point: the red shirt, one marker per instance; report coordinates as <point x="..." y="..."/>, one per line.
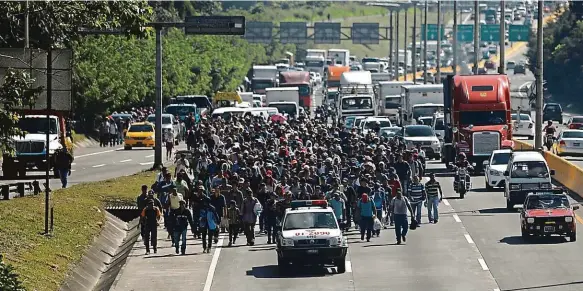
<point x="394" y="186"/>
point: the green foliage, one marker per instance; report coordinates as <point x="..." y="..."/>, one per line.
<point x="16" y="92"/>
<point x="9" y="280"/>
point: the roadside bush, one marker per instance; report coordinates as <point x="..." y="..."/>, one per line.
<point x="9" y="280"/>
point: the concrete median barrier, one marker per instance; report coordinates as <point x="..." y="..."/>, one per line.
<point x="566" y="173"/>
<point x="521" y="145"/>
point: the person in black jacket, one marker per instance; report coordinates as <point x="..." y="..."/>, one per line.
<point x="63" y="161"/>
<point x="182" y="218"/>
<point x="150" y="216"/>
<point x="271" y="218"/>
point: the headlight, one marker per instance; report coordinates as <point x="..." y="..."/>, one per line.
<point x="569" y="219"/>
<point x="344" y="241"/>
<point x="436" y="142"/>
<point x="494" y="173"/>
<point x="334" y="241"/>
<point x="545" y="186"/>
<point x="287" y="242"/>
<point x="530" y="220"/>
<point x="514" y="186"/>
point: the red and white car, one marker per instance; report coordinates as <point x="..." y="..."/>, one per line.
<point x="575" y="122"/>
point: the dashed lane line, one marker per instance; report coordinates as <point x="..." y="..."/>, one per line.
<point x="125" y="161"/>
<point x="146" y="163"/>
<point x="98" y="166"/>
<point x="469" y="238"/>
<point x="98" y="153"/>
<point x="456" y="218"/>
<point x="150" y="156"/>
<point x="483" y="264"/>
<point x="446" y="202"/>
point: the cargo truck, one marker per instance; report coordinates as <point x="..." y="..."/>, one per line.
<point x="389" y="97"/>
<point x="419" y="101"/>
<point x="285" y="99"/>
<point x="301" y="80"/>
<point x="263" y="77"/>
<point x="341" y="57"/>
<point x="477" y="112"/>
<point x="356" y="94"/>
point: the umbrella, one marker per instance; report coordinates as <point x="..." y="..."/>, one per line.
<point x="278" y="118"/>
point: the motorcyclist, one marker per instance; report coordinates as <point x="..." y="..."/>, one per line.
<point x="462" y="162"/>
<point x="549" y="128"/>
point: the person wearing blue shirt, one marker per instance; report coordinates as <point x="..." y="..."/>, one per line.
<point x="339" y="207"/>
<point x="208" y="223"/>
<point x="367" y="210"/>
<point x="379" y="199"/>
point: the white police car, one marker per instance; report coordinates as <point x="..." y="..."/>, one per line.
<point x="310" y="235"/>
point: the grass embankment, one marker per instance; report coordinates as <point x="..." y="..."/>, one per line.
<point x="78" y="137"/>
<point x="43" y="262"/>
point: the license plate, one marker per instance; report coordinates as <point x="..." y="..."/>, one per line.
<point x="312" y="251"/>
<point x="577" y="144"/>
<point x="139" y="144"/>
<point x="520" y="126"/>
<point x="549" y="228"/>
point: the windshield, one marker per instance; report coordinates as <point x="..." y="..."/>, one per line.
<point x="333" y="84"/>
<point x="289" y="109"/>
<point x="372" y="124"/>
<point x="141" y="128"/>
<point x="392" y="102"/>
<point x="552" y="108"/>
<point x="439" y="124"/>
<point x="501" y="158"/>
<point x="37" y="125"/>
<point x="531" y="169"/>
<point x="547" y="202"/>
<point x="262" y="84"/>
<point x="479" y="118"/>
<point x="165" y="119"/>
<point x="356" y="103"/>
<point x="419" y="111"/>
<point x="415" y="131"/>
<point x="426" y="121"/>
<point x="310" y="220"/>
<point x="577" y="120"/>
<point x="522" y="117"/>
<point x="573" y="134"/>
<point x="316" y="64"/>
<point x="357" y="121"/>
<point x="370" y="60"/>
<point x="180" y="110"/>
<point x="227" y="115"/>
<point x="388" y="132"/>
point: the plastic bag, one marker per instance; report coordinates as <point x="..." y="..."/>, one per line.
<point x="377" y="224"/>
<point x="257" y="208"/>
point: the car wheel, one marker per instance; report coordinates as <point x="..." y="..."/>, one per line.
<point x="573" y="237"/>
<point x="127" y="148"/>
<point x="341" y="265"/>
<point x="488" y="187"/>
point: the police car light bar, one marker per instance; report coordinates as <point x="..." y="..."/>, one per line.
<point x="309" y="203"/>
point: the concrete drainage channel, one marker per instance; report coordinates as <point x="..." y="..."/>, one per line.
<point x="103" y="261"/>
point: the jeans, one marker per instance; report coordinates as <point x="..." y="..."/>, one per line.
<point x="366" y="223"/>
<point x="271" y="228"/>
<point x="207" y="237"/>
<point x="150" y="235"/>
<point x="64" y="175"/>
<point x="417" y="210"/>
<point x="180" y="236"/>
<point x="401" y="226"/>
<point x="432" y="205"/>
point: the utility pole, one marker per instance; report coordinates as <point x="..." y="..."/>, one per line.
<point x="391" y="55"/>
<point x="405" y="42"/>
<point x="158" y="133"/>
<point x="455" y="48"/>
<point x="48" y="137"/>
<point x="438" y="73"/>
<point x="414" y="47"/>
<point x="539" y="78"/>
<point x="397" y="46"/>
<point x="501" y="66"/>
<point x="425" y="44"/>
<point x="476" y="35"/>
<point x="26" y="28"/>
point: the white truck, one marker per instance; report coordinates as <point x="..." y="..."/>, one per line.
<point x="246" y="97"/>
<point x="316" y="53"/>
<point x="373" y="67"/>
<point x="420" y="100"/>
<point x="264" y="77"/>
<point x="380" y="77"/>
<point x="316" y="64"/>
<point x="356" y="94"/>
<point x="389" y="96"/>
<point x="341" y="56"/>
<point x="285" y="99"/>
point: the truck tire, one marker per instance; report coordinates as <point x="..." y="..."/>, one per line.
<point x="573" y="237"/>
<point x="341" y="265"/>
<point x="283" y="265"/>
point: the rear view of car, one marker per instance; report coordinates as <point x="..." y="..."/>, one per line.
<point x="569" y="142"/>
<point x="575" y="122"/>
<point x="553" y="111"/>
<point x="523" y="126"/>
<point x="139" y="134"/>
<point x="520" y="69"/>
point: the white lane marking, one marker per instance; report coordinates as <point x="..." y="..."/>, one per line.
<point x="446" y="202"/>
<point x="146" y="163"/>
<point x="72" y="170"/>
<point x="209" y="278"/>
<point x="483" y="264"/>
<point x="496" y="289"/>
<point x="469" y="238"/>
<point x="125" y="161"/>
<point x="348" y="267"/>
<point x="456" y="218"/>
<point x="150" y="156"/>
<point x="72" y="164"/>
<point x="97" y="153"/>
<point x="99" y="166"/>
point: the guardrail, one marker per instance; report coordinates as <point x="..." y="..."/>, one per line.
<point x="21" y="189"/>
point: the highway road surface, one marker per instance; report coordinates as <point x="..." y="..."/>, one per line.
<point x="475" y="246"/>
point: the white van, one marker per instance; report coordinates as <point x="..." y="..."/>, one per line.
<point x="526" y="171"/>
<point x="223" y="112"/>
<point x="169" y="123"/>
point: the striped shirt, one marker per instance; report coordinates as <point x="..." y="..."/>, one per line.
<point x="417" y="193"/>
<point x="432" y="188"/>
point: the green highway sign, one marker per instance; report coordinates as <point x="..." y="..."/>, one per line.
<point x="432" y="32"/>
<point x="518" y="32"/>
<point x="465" y="33"/>
<point x="490" y="32"/>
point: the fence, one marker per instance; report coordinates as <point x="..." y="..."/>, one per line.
<point x="19" y="189"/>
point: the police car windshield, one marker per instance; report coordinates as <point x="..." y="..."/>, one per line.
<point x="547" y="202"/>
<point x="310" y="220"/>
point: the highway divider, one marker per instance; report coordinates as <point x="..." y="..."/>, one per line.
<point x="566" y="172"/>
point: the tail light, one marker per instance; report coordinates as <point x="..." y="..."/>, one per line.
<point x="571" y="126"/>
<point x="562" y="143"/>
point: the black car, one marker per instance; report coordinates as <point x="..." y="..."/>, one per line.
<point x="520" y="69"/>
<point x="553" y="111"/>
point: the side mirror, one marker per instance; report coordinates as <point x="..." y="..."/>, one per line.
<point x="506" y="173"/>
<point x="486" y="163"/>
<point x="576" y="207"/>
<point x="438" y="134"/>
<point x="552" y="172"/>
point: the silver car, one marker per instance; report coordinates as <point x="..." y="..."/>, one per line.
<point x="569" y="142"/>
<point x="423" y="135"/>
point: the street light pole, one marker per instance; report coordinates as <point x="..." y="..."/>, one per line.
<point x="397" y="46"/>
<point x="158" y="92"/>
<point x="414" y="46"/>
<point x="476" y="35"/>
<point x="455" y="48"/>
<point x="405" y="42"/>
<point x="539" y="78"/>
<point x="501" y="67"/>
<point x="438" y="73"/>
<point x="425" y="44"/>
<point x="391" y="55"/>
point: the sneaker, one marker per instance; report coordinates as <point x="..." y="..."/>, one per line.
<point x="147" y="253"/>
<point x="368" y="240"/>
<point x="177" y="251"/>
<point x="398" y="242"/>
<point x="269" y="242"/>
<point x="230" y="244"/>
<point x="183" y="253"/>
<point x="435" y="221"/>
<point x="404" y="239"/>
<point x="392" y="224"/>
<point x="155" y="251"/>
<point x="431" y="221"/>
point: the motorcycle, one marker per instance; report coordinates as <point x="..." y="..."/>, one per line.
<point x="549" y="138"/>
<point x="462" y="182"/>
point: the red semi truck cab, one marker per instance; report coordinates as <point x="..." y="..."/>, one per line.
<point x="477" y="111"/>
<point x="300" y="79"/>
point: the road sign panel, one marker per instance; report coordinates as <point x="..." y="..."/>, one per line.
<point x="293" y="32"/>
<point x="259" y="32"/>
<point x="365" y="33"/>
<point x="215" y="25"/>
<point x="327" y="32"/>
<point x="432" y="32"/>
<point x="465" y="33"/>
<point x="518" y="32"/>
<point x="490" y="32"/>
